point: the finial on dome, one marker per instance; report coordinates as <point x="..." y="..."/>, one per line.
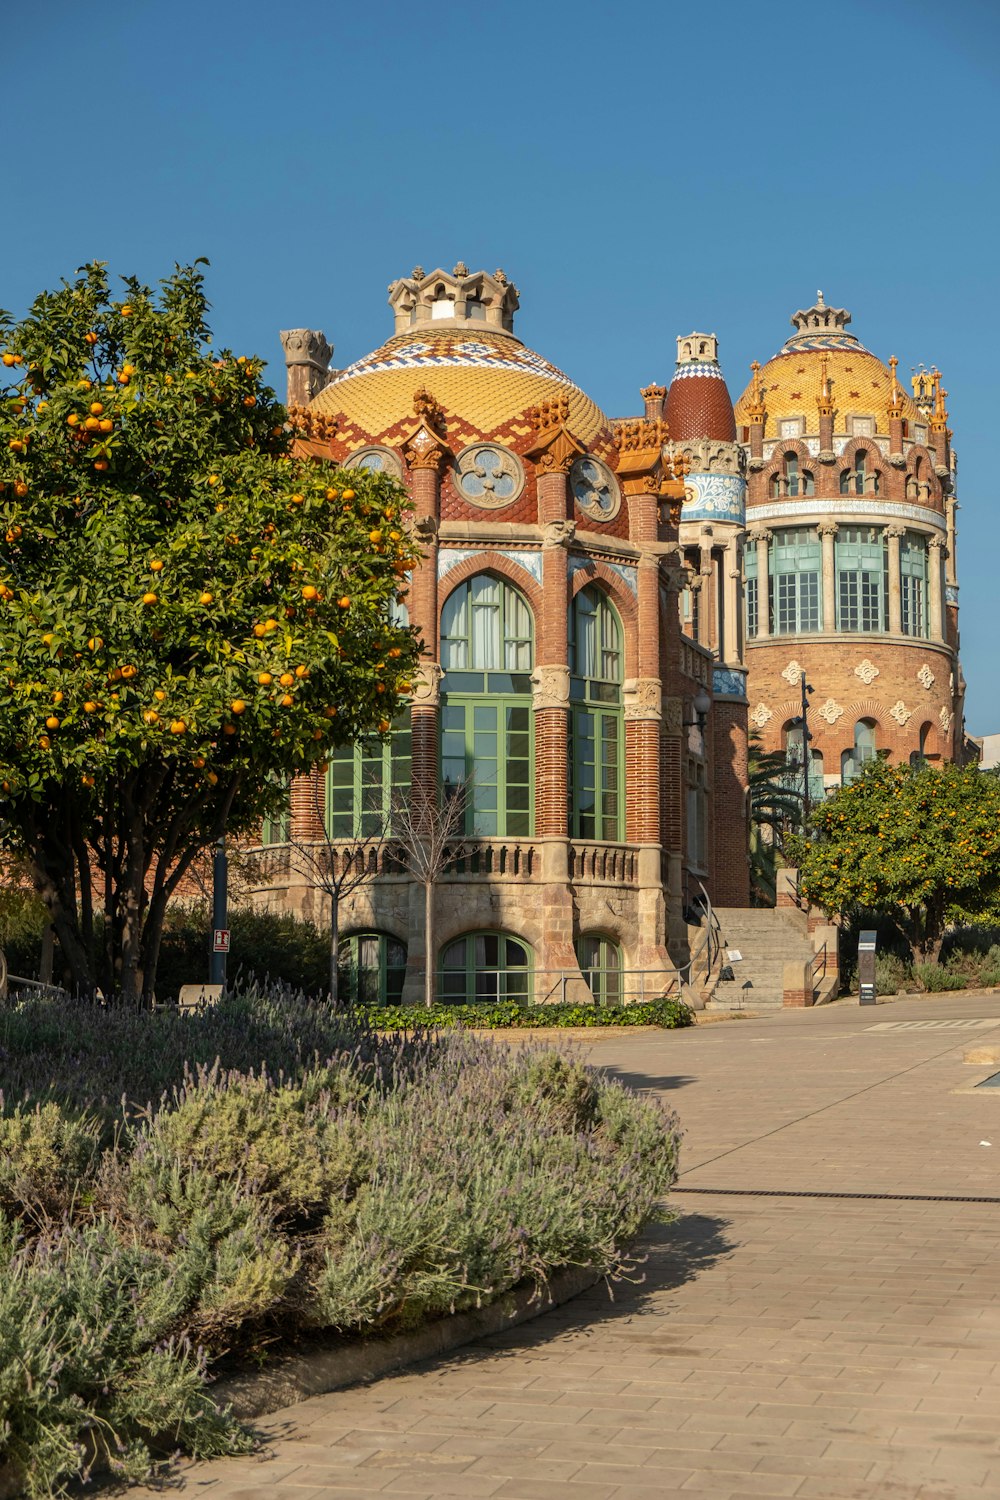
<point x="417" y="274"/>
<point x="819" y="300"/>
<point x="940" y="415"/>
<point x="755" y="406"/>
<point x="461" y="269"/>
<point x="824" y="401"/>
<point x="896" y="391"/>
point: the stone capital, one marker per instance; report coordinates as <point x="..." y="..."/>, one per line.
<point x="558" y="533"/>
<point x="760" y="534"/>
<point x="306" y="346"/>
<point x="895" y="533"/>
<point x="427" y="685"/>
<point x="425" y="530"/>
<point x="939" y="544"/>
<point x="550" y="687"/>
<point x="828" y="528"/>
<point x="642" y="698"/>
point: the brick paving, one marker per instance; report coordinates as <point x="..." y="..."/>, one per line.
<point x="824" y="1348"/>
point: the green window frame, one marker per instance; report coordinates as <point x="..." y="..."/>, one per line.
<point x="751" y="591"/>
<point x="485" y="967"/>
<point x="913" y="571"/>
<point x="862" y="566"/>
<point x="796" y="570"/>
<point x="487" y="638"/>
<point x="277" y="827"/>
<point x="597" y="730"/>
<point x="600" y="960"/>
<point x="363" y="778"/>
<point x="372" y="968"/>
<point x="488" y="744"/>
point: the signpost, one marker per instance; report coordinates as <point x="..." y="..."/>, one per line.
<point x="866" y="968"/>
<point x="220" y="933"/>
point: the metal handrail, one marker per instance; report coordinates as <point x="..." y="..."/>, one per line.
<point x="712" y="938"/>
<point x="522" y="985"/>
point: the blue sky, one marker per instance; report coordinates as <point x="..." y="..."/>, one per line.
<point x="638" y="169"/>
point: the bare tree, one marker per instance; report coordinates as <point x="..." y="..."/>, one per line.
<point x="338" y="866"/>
<point x="429" y="836"/>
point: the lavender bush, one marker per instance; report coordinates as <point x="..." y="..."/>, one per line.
<point x="175" y="1188"/>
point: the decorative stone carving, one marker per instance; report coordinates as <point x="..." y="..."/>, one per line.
<point x="900" y="713"/>
<point x="376" y="460"/>
<point x="488" y="475"/>
<point x="673" y="716"/>
<point x="306" y="346"/>
<point x="830" y="711"/>
<point x="792" y="673"/>
<point x="944" y="718"/>
<point x="710" y="456"/>
<point x="427" y="685"/>
<point x="550" y="687"/>
<point x="595" y="488"/>
<point x="867" y="671"/>
<point x="761" y="715"/>
<point x="554" y="447"/>
<point x="558" y="533"/>
<point x="314" y="426"/>
<point x="925" y="677"/>
<point x="425" y="530"/>
<point x="642" y="698"/>
<point x="827" y="528"/>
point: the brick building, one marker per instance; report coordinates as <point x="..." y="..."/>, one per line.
<point x="606" y="746"/>
<point x="849" y="567"/>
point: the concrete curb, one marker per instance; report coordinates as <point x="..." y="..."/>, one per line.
<point x="295" y="1377"/>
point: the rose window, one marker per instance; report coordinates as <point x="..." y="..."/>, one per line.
<point x="595" y="489"/>
<point x="488" y="476"/>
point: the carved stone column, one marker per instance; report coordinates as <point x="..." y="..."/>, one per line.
<point x="828" y="537"/>
<point x="894" y="535"/>
<point x="708" y="618"/>
<point x="732" y="631"/>
<point x="425" y="454"/>
<point x="936" y="552"/>
<point x="761" y="537"/>
<point x="950" y="509"/>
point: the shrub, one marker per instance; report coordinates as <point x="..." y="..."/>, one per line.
<point x="170" y="1200"/>
<point x="935" y="979"/>
<point x="668" y="1013"/>
<point x="892" y="973"/>
<point x="23" y="919"/>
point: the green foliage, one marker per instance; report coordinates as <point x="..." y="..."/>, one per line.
<point x="264" y="945"/>
<point x="921" y="845"/>
<point x="668" y="1013"/>
<point x="775" y="808"/>
<point x="23" y="919"/>
<point x="358" y="1183"/>
<point x="935" y="979"/>
<point x="190" y="614"/>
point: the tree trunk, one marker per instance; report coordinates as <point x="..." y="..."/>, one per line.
<point x="334" y="947"/>
<point x="429" y="953"/>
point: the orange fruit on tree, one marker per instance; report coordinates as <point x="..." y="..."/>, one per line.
<point x="52" y="722"/>
<point x="149" y="598"/>
<point x="206" y="598"/>
<point x="330" y="494"/>
<point x="384" y="726"/>
<point x="107" y="425"/>
<point x="57" y="696"/>
<point x="10" y="359"/>
<point x="129" y="671"/>
<point x="44" y="741"/>
<point x="213" y="478"/>
<point x="302" y="671"/>
<point x="374" y="537"/>
<point x="238" y="706"/>
<point x="87" y="780"/>
<point x="178" y="726"/>
<point x="72" y="419"/>
<point x="90" y="707"/>
<point x="211" y="777"/>
<point x="156" y="566"/>
<point x="309" y="592"/>
<point x="20" y="489"/>
<point x="344" y="603"/>
<point x="128" y="369"/>
<point x="198" y="762"/>
<point x="286" y="700"/>
<point x="100" y="464"/>
<point x="96" y="407"/>
<point x="348" y="494"/>
<point x="90" y="338"/>
<point x="229" y="728"/>
<point x="286" y="679"/>
<point x="92" y="424"/>
<point x="330" y="712"/>
<point x="151" y="716"/>
<point x="126" y="311"/>
<point x="159" y="695"/>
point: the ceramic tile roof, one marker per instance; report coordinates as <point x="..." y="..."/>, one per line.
<point x="699" y="404"/>
<point x="484" y="382"/>
<point x="860" y="384"/>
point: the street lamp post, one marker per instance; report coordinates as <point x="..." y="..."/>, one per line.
<point x="806" y="759"/>
<point x="220" y="907"/>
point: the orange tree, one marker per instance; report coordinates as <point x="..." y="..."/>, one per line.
<point x="189" y="615"/>
<point x="920" y="844"/>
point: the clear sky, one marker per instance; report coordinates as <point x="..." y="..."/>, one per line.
<point x="639" y="169"/>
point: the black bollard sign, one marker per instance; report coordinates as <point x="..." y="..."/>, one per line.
<point x="866" y="968"/>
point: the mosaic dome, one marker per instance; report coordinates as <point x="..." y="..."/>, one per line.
<point x="484" y="379"/>
<point x="860" y="383"/>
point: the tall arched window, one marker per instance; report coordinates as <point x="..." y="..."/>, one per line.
<point x="372" y="968"/>
<point x="793" y="777"/>
<point x="862" y="565"/>
<point x="792" y="472"/>
<point x="862" y="479"/>
<point x="918" y="758"/>
<point x="362" y="779"/>
<point x="485" y="966"/>
<point x="600" y="961"/>
<point x="487" y="655"/>
<point x="596" y="764"/>
<point x="853" y="762"/>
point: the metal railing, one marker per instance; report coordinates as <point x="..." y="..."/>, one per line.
<point x="599" y="987"/>
<point x="710" y="946"/>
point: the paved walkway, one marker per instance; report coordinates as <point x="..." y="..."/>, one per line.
<point x="822" y="1347"/>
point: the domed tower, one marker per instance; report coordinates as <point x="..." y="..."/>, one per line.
<point x="546" y="600"/>
<point x="851" y="524"/>
<point x="702" y="429"/>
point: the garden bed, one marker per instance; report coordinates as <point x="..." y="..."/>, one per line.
<point x="664" y="1014"/>
<point x="181" y="1192"/>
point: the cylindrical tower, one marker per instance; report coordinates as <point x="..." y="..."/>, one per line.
<point x="850" y="530"/>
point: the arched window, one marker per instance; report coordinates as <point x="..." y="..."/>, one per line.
<point x="774" y="487"/>
<point x="362" y="779"/>
<point x="853" y="762"/>
<point x="792" y="472"/>
<point x="751" y="591"/>
<point x="485" y="966"/>
<point x="918" y="758"/>
<point x="596" y="763"/>
<point x="486" y="721"/>
<point x="372" y="967"/>
<point x="793" y="777"/>
<point x="808" y="482"/>
<point x="862" y="566"/>
<point x="600" y="961"/>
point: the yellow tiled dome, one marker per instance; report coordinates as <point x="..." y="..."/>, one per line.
<point x="484" y="381"/>
<point x="861" y="385"/>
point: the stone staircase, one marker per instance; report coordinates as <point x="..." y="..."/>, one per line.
<point x="768" y="938"/>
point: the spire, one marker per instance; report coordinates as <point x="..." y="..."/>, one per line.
<point x="896" y="393"/>
<point x="755" y="406"/>
<point x="824" y="401"/>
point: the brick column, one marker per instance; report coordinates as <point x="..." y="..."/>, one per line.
<point x="732" y="635"/>
<point x="828" y="536"/>
<point x="894" y="535"/>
